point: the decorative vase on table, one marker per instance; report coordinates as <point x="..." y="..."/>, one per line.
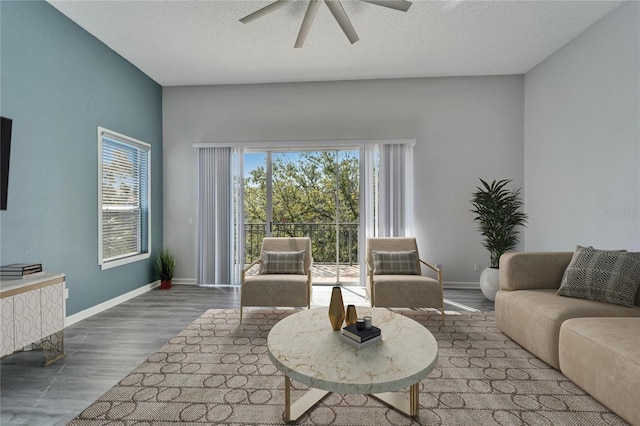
<point x="490" y="282"/>
<point x="352" y="315"/>
<point x="336" y="309"/>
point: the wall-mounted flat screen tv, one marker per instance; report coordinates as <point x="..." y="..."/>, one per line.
<point x="5" y="151"/>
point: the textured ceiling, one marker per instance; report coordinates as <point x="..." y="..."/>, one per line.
<point x="202" y="42"/>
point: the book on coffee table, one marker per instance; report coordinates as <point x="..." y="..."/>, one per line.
<point x="361" y="336"/>
<point x="359" y="345"/>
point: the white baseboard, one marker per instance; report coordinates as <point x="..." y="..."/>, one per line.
<point x="461" y="285"/>
<point x="72" y="319"/>
<point x="184" y="281"/>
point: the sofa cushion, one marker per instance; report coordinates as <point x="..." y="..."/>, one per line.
<point x="533" y="318"/>
<point x="282" y="262"/>
<point x="602" y="356"/>
<point x="602" y="275"/>
<point x="395" y="262"/>
<point x="533" y="270"/>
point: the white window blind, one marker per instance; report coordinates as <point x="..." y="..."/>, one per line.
<point x="124" y="202"/>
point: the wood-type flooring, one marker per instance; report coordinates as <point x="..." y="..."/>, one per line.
<point x="102" y="349"/>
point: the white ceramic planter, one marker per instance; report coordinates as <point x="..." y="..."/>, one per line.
<point x="490" y="282"/>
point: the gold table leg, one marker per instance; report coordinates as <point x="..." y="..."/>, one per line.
<point x="293" y="412"/>
<point x="414" y="396"/>
<point x="408" y="406"/>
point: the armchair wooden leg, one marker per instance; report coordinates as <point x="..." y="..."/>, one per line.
<point x="442" y="313"/>
<point x="240" y="314"/>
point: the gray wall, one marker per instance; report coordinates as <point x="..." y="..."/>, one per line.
<point x="465" y="128"/>
<point x="58" y="84"/>
<point x="582" y="139"/>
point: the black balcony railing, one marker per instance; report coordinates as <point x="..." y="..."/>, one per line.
<point x="323" y="240"/>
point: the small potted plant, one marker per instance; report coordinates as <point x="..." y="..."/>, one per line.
<point x="498" y="215"/>
<point x="165" y="266"/>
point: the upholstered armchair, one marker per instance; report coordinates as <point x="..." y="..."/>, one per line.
<point x="284" y="277"/>
<point x="394" y="276"/>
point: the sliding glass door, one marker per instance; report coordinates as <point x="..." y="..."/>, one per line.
<point x="306" y="193"/>
<point x="337" y="197"/>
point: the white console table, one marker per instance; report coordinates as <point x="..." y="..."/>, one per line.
<point x="32" y="310"/>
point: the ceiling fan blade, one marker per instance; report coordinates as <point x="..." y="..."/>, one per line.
<point x="309" y="16"/>
<point x="265" y="10"/>
<point x="343" y="20"/>
<point x="402" y="5"/>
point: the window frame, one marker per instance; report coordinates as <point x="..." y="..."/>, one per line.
<point x="137" y="144"/>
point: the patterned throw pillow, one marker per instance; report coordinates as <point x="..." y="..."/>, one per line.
<point x="282" y="262"/>
<point x="395" y="262"/>
<point x="602" y="275"/>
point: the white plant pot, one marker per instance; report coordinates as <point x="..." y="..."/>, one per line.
<point x="490" y="283"/>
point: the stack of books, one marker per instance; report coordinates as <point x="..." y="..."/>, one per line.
<point x="19" y="270"/>
<point x="361" y="338"/>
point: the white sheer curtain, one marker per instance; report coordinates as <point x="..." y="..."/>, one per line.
<point x="386" y="193"/>
<point x="396" y="190"/>
<point x="219" y="215"/>
<point x="238" y="214"/>
<point x="368" y="201"/>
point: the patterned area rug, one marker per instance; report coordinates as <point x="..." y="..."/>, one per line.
<point x="218" y="372"/>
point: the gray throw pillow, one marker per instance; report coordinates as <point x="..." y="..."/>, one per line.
<point x="282" y="262"/>
<point x="602" y="275"/>
<point x="395" y="262"/>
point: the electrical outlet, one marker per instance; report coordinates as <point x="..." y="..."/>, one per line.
<point x="439" y="265"/>
<point x="66" y="293"/>
<point x="476" y="266"/>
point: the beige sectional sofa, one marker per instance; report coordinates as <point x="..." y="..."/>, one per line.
<point x="595" y="344"/>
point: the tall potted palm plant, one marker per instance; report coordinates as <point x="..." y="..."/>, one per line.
<point x="498" y="214"/>
<point x="165" y="266"/>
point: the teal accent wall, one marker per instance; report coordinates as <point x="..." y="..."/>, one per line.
<point x="59" y="83"/>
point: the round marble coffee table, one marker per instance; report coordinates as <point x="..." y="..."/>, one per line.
<point x="306" y="349"/>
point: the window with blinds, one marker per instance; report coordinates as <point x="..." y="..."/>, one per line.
<point x="123" y="198"/>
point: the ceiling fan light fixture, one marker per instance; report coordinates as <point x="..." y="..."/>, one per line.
<point x="402" y="5"/>
<point x="309" y="16"/>
<point x="335" y="6"/>
<point x="264" y="11"/>
<point x="343" y="20"/>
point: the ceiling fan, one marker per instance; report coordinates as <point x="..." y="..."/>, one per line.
<point x="336" y="9"/>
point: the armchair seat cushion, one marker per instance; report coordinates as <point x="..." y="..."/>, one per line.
<point x="407" y="291"/>
<point x="275" y="290"/>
